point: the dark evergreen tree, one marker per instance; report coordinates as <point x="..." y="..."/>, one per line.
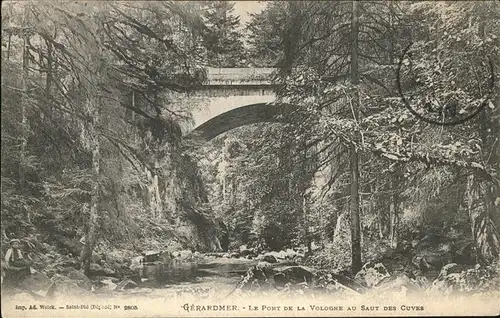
<point x="222" y="38"/>
<point x="265" y="31"/>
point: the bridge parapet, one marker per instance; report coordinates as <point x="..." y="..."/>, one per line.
<point x="239" y="76"/>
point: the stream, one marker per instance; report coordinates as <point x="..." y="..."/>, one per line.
<point x="196" y="271"/>
<point x="205" y="277"/>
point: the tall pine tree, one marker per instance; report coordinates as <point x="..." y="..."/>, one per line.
<point x="265" y="32"/>
<point x="222" y="38"/>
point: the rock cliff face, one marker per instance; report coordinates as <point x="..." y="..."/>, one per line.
<point x="175" y="193"/>
<point x="152" y="197"/>
<point x="192" y="214"/>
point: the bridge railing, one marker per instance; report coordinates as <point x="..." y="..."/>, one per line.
<point x="239" y="76"/>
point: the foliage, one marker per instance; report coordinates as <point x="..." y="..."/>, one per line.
<point x="92" y="78"/>
<point x="265" y="31"/>
<point x="413" y="174"/>
<point x="221" y="37"/>
<point x="256" y="188"/>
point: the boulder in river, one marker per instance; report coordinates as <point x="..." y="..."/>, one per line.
<point x="64" y="286"/>
<point x="255" y="278"/>
<point x="451" y="268"/>
<point x="108" y="283"/>
<point x="125" y="284"/>
<point x="290" y="254"/>
<point x="444" y="286"/>
<point x="458" y="278"/>
<point x="36" y="282"/>
<point x="400" y="284"/>
<point x="277" y="255"/>
<point x="78" y="277"/>
<point x="101" y="270"/>
<point x="263" y="264"/>
<point x="137" y="263"/>
<point x="267" y="258"/>
<point x="294" y="274"/>
<point x="185" y="255"/>
<point x="267" y="276"/>
<point x="280" y="255"/>
<point x="158" y="256"/>
<point x="246" y="252"/>
<point x="372" y="274"/>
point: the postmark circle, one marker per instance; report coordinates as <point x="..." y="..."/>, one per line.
<point x="443" y="122"/>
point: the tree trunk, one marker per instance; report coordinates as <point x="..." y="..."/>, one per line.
<point x="393" y="230"/>
<point x="291" y="38"/>
<point x="380" y="213"/>
<point x="157" y="202"/>
<point x="471" y="195"/>
<point x="234" y="188"/>
<point x="391" y="45"/>
<point x="354" y="161"/>
<point x="224" y="186"/>
<point x="395" y="209"/>
<point x="90" y="237"/>
<point x="391" y="34"/>
<point x="24" y="123"/>
<point x="305" y="223"/>
<point x="338" y="227"/>
<point x="381" y="208"/>
<point x="483" y="230"/>
<point x="153" y="197"/>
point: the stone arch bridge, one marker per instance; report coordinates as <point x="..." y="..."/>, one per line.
<point x="233" y="97"/>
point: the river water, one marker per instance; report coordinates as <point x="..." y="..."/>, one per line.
<point x="208" y="275"/>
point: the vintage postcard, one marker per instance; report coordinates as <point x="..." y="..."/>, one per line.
<point x="250" y="158"/>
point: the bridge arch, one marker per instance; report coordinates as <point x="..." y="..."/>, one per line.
<point x="237" y="117"/>
<point x="230" y="98"/>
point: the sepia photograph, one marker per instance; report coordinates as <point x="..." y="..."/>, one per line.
<point x="250" y="158"/>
